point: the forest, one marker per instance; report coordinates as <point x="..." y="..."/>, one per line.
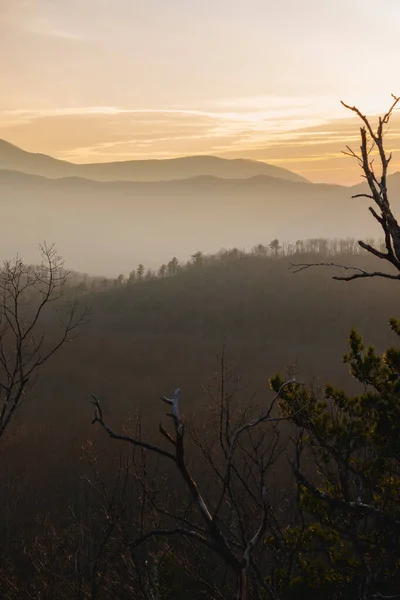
<point x="212" y="428"/>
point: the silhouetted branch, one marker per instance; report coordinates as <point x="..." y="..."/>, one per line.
<point x="236" y="554"/>
<point x="371" y="140"/>
<point x="361" y="273"/>
<point x="25" y="293"/>
<point x="125" y="438"/>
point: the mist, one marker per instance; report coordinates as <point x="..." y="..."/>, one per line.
<point x="107" y="228"/>
<point x="199" y="316"/>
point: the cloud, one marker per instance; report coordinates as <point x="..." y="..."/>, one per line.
<point x="275" y="131"/>
<point x="56" y="33"/>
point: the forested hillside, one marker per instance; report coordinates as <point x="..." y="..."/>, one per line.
<point x="145" y="338"/>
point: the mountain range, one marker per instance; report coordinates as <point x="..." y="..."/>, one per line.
<point x="14" y="158"/>
<point x="109" y="227"/>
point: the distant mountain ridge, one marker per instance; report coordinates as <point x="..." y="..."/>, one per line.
<point x="110" y="227"/>
<point x="15" y="159"/>
<point x="15" y="177"/>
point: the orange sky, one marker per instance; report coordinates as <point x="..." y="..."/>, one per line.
<point x="99" y="80"/>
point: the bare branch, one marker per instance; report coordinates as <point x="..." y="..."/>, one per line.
<point x="372" y="140"/>
<point x="26" y="292"/>
<point x="361" y="273"/>
<point x="237" y="553"/>
<point x="126" y="438"/>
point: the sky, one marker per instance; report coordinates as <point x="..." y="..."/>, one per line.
<point x="102" y="80"/>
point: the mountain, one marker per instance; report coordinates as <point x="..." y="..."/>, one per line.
<point x="110" y="227"/>
<point x="8" y="176"/>
<point x="12" y="157"/>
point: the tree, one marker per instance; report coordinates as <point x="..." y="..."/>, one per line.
<point x="140" y="271"/>
<point x="173" y="266"/>
<point x="232" y="515"/>
<point x="372" y="144"/>
<point x="260" y="250"/>
<point x="347" y="466"/>
<point x="347" y="450"/>
<point x="149" y="275"/>
<point x="197" y="258"/>
<point x="162" y="271"/>
<point x="275" y="247"/>
<point x="26" y="294"/>
<point x="132" y="277"/>
<point x="118" y="282"/>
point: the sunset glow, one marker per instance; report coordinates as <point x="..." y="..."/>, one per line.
<point x="97" y="81"/>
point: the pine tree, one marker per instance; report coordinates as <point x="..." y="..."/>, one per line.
<point x="347" y="468"/>
<point x="346" y="457"/>
<point x="140" y="271"/>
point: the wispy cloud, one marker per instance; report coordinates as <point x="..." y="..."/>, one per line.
<point x="56" y="33"/>
<point x="62" y="112"/>
<point x="275" y="130"/>
<point x="270" y="121"/>
<point x="264" y="114"/>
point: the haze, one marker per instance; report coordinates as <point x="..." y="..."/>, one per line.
<point x="188" y="203"/>
<point x="101" y="80"/>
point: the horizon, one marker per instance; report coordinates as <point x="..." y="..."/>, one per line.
<point x="139" y="82"/>
<point x="184" y="156"/>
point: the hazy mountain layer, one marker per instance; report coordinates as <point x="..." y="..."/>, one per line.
<point x="12" y="157"/>
<point x="108" y="228"/>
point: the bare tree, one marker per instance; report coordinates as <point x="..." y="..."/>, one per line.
<point x="231" y="515"/>
<point x="372" y="143"/>
<point x="26" y="293"/>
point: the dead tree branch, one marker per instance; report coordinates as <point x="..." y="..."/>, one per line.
<point x="26" y="293"/>
<point x="360" y="273"/>
<point x="372" y="140"/>
<point x="238" y="556"/>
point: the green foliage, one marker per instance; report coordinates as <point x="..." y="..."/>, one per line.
<point x="348" y="477"/>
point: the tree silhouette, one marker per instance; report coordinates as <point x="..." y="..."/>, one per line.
<point x="140" y="271"/>
<point x="372" y="145"/>
<point x="197" y="258"/>
<point x="173" y="266"/>
<point x="275" y="247"/>
<point x="162" y="271"/>
<point x="26" y="294"/>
